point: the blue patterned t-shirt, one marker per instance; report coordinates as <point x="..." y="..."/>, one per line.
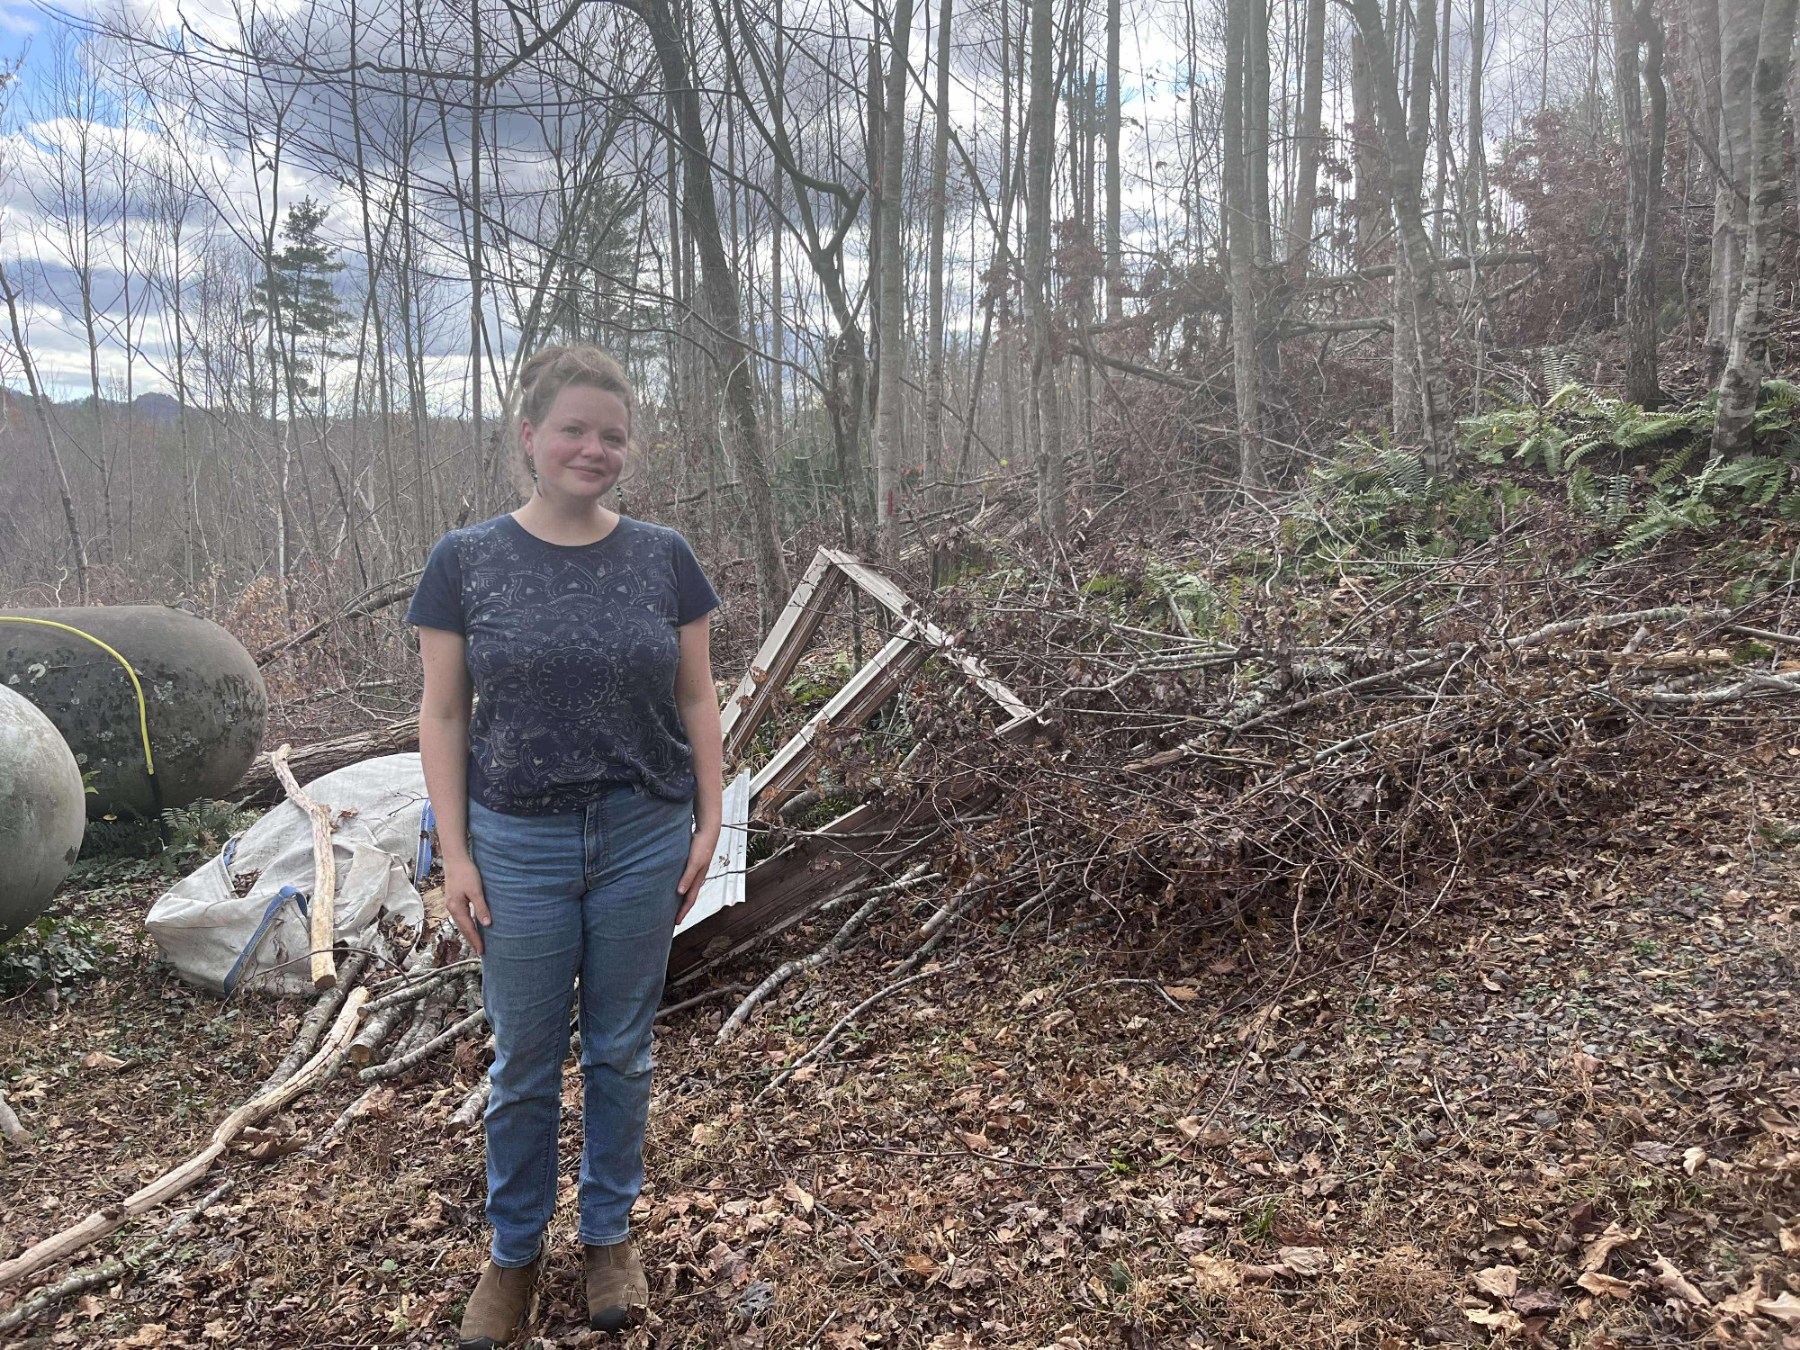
<point x="572" y="649"/>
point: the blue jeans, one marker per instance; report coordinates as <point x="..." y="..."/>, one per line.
<point x="590" y="893"/>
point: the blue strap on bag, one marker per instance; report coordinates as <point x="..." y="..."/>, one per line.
<point x="285" y="894"/>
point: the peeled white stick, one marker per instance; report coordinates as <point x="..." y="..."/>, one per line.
<point x="323" y="913"/>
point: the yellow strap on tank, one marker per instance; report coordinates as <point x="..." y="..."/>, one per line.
<point x="143" y="710"/>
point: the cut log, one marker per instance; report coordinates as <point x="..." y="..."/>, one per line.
<point x="261" y="786"/>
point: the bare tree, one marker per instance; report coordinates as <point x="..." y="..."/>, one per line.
<point x="1643" y="130"/>
<point x="1747" y="364"/>
<point x="1052" y="491"/>
<point x="1418" y="336"/>
<point x="1242" y="34"/>
<point x="890" y="168"/>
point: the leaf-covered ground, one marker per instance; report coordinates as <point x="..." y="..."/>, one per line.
<point x="1560" y="1108"/>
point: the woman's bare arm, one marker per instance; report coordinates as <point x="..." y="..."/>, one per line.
<point x="698" y="703"/>
<point x="444" y="753"/>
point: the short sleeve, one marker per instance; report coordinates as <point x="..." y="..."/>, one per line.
<point x="694" y="594"/>
<point x="437" y="603"/>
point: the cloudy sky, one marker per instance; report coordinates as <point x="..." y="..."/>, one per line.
<point x="1168" y="195"/>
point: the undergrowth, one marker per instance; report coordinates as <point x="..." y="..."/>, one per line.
<point x="1639" y="477"/>
<point x="52" y="953"/>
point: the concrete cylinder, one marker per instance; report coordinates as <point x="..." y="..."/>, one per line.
<point x="203" y="699"/>
<point x="41" y="813"/>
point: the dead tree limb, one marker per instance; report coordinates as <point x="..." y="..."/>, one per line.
<point x="844" y="1021"/>
<point x="401" y="1063"/>
<point x="113" y="1268"/>
<point x="102" y="1223"/>
<point x="348" y="1116"/>
<point x="318" y="1017"/>
<point x="830" y="951"/>
<point x="372" y="601"/>
<point x="262" y="788"/>
<point x="470" y="1111"/>
<point x="937" y="927"/>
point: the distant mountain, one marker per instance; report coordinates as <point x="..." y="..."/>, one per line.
<point x="159" y="408"/>
<point x="156" y="408"/>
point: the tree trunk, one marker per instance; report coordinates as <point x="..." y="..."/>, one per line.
<point x="1642" y="136"/>
<point x="1738" y="29"/>
<point x="1115" y="253"/>
<point x="1309" y="134"/>
<point x="71" y="521"/>
<point x="1241" y="238"/>
<point x="1748" y="362"/>
<point x="1475" y="179"/>
<point x="1040" y="191"/>
<point x="1368" y="160"/>
<point x="1417" y="328"/>
<point x="719" y="291"/>
<point x="891" y="397"/>
<point x="936" y="458"/>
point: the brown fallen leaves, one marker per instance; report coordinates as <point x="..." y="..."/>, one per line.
<point x="1217" y="1275"/>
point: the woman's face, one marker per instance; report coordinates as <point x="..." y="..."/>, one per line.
<point x="579" y="447"/>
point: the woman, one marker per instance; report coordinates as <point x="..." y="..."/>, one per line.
<point x="570" y="738"/>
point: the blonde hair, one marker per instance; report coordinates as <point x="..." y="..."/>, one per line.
<point x="552" y="370"/>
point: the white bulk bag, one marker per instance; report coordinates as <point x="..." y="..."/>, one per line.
<point x="260" y="940"/>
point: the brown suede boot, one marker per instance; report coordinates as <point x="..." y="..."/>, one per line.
<point x="617" y="1292"/>
<point x="499" y="1307"/>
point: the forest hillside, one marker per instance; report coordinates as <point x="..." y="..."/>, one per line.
<point x="1258" y="546"/>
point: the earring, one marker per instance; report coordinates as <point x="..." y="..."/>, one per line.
<point x="531" y="468"/>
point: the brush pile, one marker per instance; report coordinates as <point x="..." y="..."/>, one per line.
<point x="1215" y="749"/>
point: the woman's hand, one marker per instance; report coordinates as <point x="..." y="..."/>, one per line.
<point x="464" y="900"/>
<point x="700" y="856"/>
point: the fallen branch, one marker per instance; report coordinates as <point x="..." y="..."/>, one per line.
<point x="113" y="1268"/>
<point x="401" y="1063"/>
<point x="937" y="927"/>
<point x="351" y="1113"/>
<point x="261" y="787"/>
<point x="65" y="1244"/>
<point x="1774" y="684"/>
<point x="723" y="991"/>
<point x="1381" y="270"/>
<point x="832" y="949"/>
<point x="473" y="1108"/>
<point x="844" y="1021"/>
<point x="318" y="1017"/>
<point x="372" y="601"/>
<point x="417" y="982"/>
<point x="322" y="912"/>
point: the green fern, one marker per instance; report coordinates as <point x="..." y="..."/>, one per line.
<point x="1779" y="393"/>
<point x="1662" y="520"/>
<point x="1404" y="473"/>
<point x="1543" y="446"/>
<point x="1583" y="492"/>
<point x="1576" y="450"/>
<point x="1648" y="429"/>
<point x="1665" y="472"/>
<point x="1558" y="368"/>
<point x="1759" y="477"/>
<point x="1618" y="500"/>
<point x="1566" y="394"/>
